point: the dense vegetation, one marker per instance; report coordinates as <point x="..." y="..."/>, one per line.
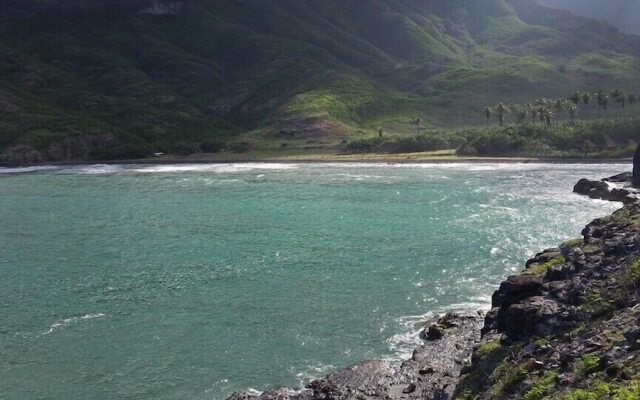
<point x="126" y="78"/>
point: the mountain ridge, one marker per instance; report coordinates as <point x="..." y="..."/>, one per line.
<point x="186" y="76"/>
<point x="624" y="14"/>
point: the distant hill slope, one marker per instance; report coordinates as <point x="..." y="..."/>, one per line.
<point x="625" y="14"/>
<point x="122" y="78"/>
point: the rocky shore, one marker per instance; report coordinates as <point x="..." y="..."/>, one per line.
<point x="567" y="327"/>
<point x="431" y="373"/>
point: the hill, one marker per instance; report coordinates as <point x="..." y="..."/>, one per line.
<point x="624" y="14"/>
<point x="116" y="79"/>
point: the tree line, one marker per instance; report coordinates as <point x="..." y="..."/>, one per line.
<point x="545" y="111"/>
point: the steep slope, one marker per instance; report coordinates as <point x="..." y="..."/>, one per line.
<point x="624" y="14"/>
<point x="124" y="78"/>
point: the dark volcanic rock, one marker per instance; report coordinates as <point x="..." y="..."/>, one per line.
<point x="584" y="310"/>
<point x="516" y="288"/>
<point x="587" y="187"/>
<point x="431" y="373"/>
<point x="576" y="321"/>
<point x="602" y="190"/>
<point x="620" y="178"/>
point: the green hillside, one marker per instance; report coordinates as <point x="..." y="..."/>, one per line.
<point x="122" y="79"/>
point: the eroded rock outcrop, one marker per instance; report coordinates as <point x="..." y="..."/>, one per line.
<point x="431" y="373"/>
<point x="569" y="324"/>
<point x="567" y="327"/>
<point x="68" y="148"/>
<point x="615" y="188"/>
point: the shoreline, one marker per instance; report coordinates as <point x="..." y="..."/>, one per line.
<point x="337" y="160"/>
<point x="453" y="359"/>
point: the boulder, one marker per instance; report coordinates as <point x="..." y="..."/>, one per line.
<point x="435" y="332"/>
<point x="517" y="288"/>
<point x="624" y="177"/>
<point x="593" y="189"/>
<point x="534" y="316"/>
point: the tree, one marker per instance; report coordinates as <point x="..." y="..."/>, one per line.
<point x="575" y="98"/>
<point x="573" y="110"/>
<point x="559" y="105"/>
<point x="588" y="147"/>
<point x="488" y="112"/>
<point x="548" y="116"/>
<point x="533" y="113"/>
<point x="501" y="111"/>
<point x="616" y="94"/>
<point x="418" y="123"/>
<point x="600" y="97"/>
<point x="521" y="114"/>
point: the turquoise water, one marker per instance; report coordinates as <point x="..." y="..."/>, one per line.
<point x="192" y="281"/>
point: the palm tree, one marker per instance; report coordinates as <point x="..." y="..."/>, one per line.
<point x="600" y="97"/>
<point x="521" y="113"/>
<point x="623" y="101"/>
<point x="615" y="94"/>
<point x="501" y="111"/>
<point x="548" y="116"/>
<point x="418" y="123"/>
<point x="532" y="113"/>
<point x="488" y="112"/>
<point x="559" y="105"/>
<point x="575" y="98"/>
<point x="572" y="109"/>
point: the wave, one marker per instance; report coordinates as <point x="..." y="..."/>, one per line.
<point x="403" y="344"/>
<point x="69" y="321"/>
<point x="94" y="169"/>
<point x="215" y="168"/>
<point x="24" y="170"/>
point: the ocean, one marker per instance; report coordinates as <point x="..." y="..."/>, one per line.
<point x="194" y="281"/>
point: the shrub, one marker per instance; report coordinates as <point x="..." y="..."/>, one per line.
<point x="240" y="147"/>
<point x="213" y="146"/>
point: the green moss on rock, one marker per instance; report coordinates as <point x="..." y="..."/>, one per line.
<point x="543" y="268"/>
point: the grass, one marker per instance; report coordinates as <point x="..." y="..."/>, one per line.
<point x="573" y="243"/>
<point x="599" y="306"/>
<point x="488" y="348"/>
<point x="541" y="386"/>
<point x="506" y="378"/>
<point x="544" y="267"/>
<point x="589" y="364"/>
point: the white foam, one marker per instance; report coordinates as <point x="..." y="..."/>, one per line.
<point x="404" y="343"/>
<point x="23" y="170"/>
<point x="72" y="320"/>
<point x="95" y="169"/>
<point x="214" y="168"/>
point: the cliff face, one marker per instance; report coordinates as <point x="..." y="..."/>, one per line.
<point x="568" y="326"/>
<point x="66" y="149"/>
